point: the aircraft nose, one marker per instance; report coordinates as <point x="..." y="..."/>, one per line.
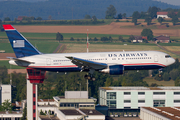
<point x="173" y="60"/>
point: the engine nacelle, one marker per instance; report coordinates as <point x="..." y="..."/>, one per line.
<point x="114" y="70"/>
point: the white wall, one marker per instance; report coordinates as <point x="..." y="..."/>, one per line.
<point x="6" y="93"/>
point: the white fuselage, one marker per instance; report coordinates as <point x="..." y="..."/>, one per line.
<point x="131" y="60"/>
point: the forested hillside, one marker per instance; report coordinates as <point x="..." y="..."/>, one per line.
<point x="74" y="9"/>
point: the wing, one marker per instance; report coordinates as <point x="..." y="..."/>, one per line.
<point x="87" y="63"/>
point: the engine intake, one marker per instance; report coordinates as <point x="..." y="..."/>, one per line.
<point x="114" y="70"/>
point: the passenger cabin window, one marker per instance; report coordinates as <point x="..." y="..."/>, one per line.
<point x="167" y="56"/>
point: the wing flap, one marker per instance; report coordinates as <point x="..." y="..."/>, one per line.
<point x="87" y="63"/>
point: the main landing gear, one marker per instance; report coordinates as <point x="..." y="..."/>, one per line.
<point x="90" y="77"/>
<point x="160" y="72"/>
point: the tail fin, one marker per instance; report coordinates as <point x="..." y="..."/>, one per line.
<point x="21" y="46"/>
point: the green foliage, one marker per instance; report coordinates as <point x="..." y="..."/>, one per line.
<point x="120" y="38"/>
<point x="24" y="114"/>
<point x="177" y="82"/>
<point x="6" y="105"/>
<point x="148" y="33"/>
<point x="59" y="37"/>
<point x="42" y="113"/>
<point x="166" y="76"/>
<point x="134" y="20"/>
<point x="160" y="20"/>
<point x="72" y="39"/>
<point x="174" y="20"/>
<point x="108" y="82"/>
<point x="148" y="19"/>
<point x="119" y="16"/>
<point x="95" y="39"/>
<point x="154" y="85"/>
<point x="110" y="12"/>
<point x="7" y="19"/>
<point x="152" y="11"/>
<point x="87" y="16"/>
<point x="131" y="37"/>
<point x="171" y="14"/>
<point x="174" y="74"/>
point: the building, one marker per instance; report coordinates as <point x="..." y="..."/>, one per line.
<point x="139" y="39"/>
<point x="162" y="14"/>
<point x="162" y="39"/>
<point x="126" y="101"/>
<point x="74" y="105"/>
<point x="5" y="93"/>
<point x="160" y="113"/>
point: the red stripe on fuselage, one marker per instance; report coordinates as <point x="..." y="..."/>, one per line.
<point x="70" y="66"/>
<point x="141" y="64"/>
<point x="8" y="27"/>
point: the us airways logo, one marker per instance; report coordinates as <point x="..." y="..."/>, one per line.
<point x="128" y="55"/>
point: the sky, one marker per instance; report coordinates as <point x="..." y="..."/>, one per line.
<point x="173" y="2"/>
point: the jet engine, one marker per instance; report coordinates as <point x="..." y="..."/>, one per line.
<point x="114" y="70"/>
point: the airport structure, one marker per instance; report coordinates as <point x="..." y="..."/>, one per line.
<point x="74" y="105"/>
<point x="5" y="93"/>
<point x="160" y="113"/>
<point x="126" y="101"/>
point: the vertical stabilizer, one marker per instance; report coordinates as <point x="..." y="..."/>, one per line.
<point x="21" y="46"/>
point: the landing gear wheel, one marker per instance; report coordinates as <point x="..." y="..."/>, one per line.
<point x="93" y="78"/>
<point x="86" y="76"/>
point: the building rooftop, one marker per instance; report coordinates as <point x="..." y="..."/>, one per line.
<point x="45" y="117"/>
<point x="140" y="88"/>
<point x="70" y="112"/>
<point x="91" y="112"/>
<point x="12" y="112"/>
<point x="45" y="100"/>
<point x="168" y="112"/>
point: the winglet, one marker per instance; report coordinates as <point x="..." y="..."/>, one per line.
<point x="8" y="27"/>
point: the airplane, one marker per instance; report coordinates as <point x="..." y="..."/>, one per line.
<point x="113" y="63"/>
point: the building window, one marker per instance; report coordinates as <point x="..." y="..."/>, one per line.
<point x="127" y="93"/>
<point x="141" y="101"/>
<point x="127" y="101"/>
<point x="159" y="103"/>
<point x="34" y="95"/>
<point x="111" y="103"/>
<point x="158" y="93"/>
<point x="141" y="93"/>
<point x="34" y="110"/>
<point x="176" y="101"/>
<point x="34" y="118"/>
<point x="111" y="95"/>
<point x="34" y="103"/>
<point x="176" y="93"/>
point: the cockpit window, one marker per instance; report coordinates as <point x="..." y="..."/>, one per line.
<point x="167" y="56"/>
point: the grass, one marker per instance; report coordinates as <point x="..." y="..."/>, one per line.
<point x="160" y="83"/>
<point x="6" y="63"/>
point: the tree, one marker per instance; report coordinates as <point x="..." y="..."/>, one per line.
<point x="166" y="76"/>
<point x="121" y="38"/>
<point x="110" y="12"/>
<point x="59" y="36"/>
<point x="7" y="19"/>
<point x="152" y="12"/>
<point x="95" y="39"/>
<point x="94" y="18"/>
<point x="178" y="14"/>
<point x="110" y="38"/>
<point x="108" y="82"/>
<point x="72" y="39"/>
<point x="148" y="19"/>
<point x="134" y="20"/>
<point x="148" y="33"/>
<point x="119" y="16"/>
<point x="154" y="85"/>
<point x="6" y="105"/>
<point x="177" y="82"/>
<point x="131" y="37"/>
<point x="24" y="113"/>
<point x="87" y="16"/>
<point x="124" y="15"/>
<point x="38" y="18"/>
<point x="135" y="16"/>
<point x="160" y="20"/>
<point x="174" y="74"/>
<point x="171" y="14"/>
<point x="174" y="20"/>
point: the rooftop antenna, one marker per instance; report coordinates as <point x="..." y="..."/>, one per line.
<point x="87" y="42"/>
